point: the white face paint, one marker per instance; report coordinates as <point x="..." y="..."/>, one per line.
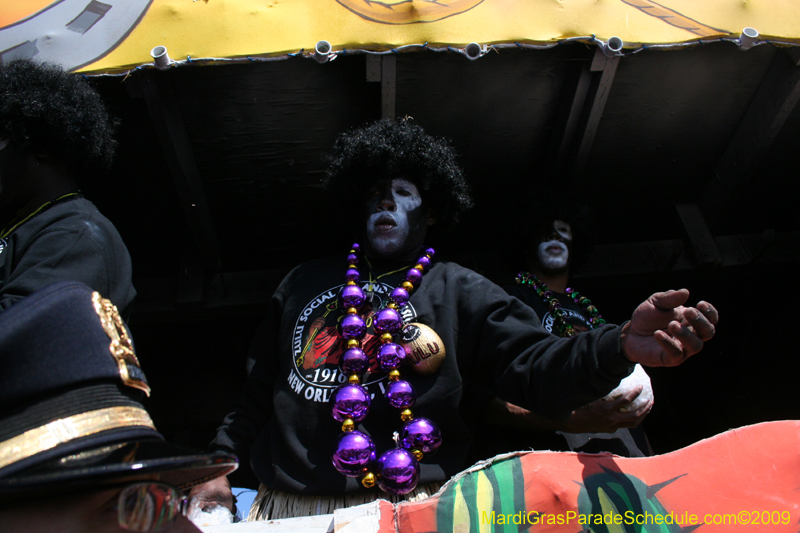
<point x="396" y="220"/>
<point x="553" y="254"/>
<point x="563" y="229"/>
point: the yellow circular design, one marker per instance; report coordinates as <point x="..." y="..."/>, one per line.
<point x="408" y="11"/>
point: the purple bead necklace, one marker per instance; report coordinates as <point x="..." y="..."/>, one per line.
<point x="353" y="455"/>
<point x="560" y="325"/>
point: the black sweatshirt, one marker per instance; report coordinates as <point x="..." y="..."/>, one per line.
<point x="283" y="425"/>
<point x="70" y="241"/>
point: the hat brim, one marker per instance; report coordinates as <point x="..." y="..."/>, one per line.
<point x="177" y="465"/>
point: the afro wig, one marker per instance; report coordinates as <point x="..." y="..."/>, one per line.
<point x="44" y="108"/>
<point x="388" y="149"/>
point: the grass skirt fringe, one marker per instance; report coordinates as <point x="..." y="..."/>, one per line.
<point x="272" y="504"/>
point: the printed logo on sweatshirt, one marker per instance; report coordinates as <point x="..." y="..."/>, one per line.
<point x="317" y="346"/>
<point x="574" y="318"/>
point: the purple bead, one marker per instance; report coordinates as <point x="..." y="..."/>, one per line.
<point x="422" y="434"/>
<point x="352" y="274"/>
<point x="355" y="247"/>
<point x="398" y="471"/>
<point x="430" y="252"/>
<point x="390" y="356"/>
<point x="413" y="276"/>
<point x="351" y="296"/>
<point x="352" y="327"/>
<point x="354" y="361"/>
<point x="352" y="259"/>
<point x="401" y="394"/>
<point x="352" y="452"/>
<point x="425" y="262"/>
<point x="399" y="296"/>
<point x="547" y="294"/>
<point x="350" y="401"/>
<point x="387" y="320"/>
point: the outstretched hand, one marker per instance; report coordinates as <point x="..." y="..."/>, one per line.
<point x="662" y="332"/>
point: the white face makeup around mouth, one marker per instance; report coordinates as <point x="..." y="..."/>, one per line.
<point x="396" y="222"/>
<point x="553" y="255"/>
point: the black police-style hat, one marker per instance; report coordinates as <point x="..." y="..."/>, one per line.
<point x="70" y="410"/>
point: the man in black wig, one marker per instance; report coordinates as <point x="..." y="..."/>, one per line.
<point x="55" y="131"/>
<point x="554" y="237"/>
<point x="300" y="422"/>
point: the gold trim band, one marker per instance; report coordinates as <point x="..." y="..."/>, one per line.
<point x="50" y="435"/>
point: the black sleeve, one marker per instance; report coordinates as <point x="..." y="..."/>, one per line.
<point x="85" y="253"/>
<point x="529" y="297"/>
<point x="528" y="366"/>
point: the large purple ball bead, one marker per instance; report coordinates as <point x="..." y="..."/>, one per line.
<point x="352" y="452"/>
<point x="398" y="471"/>
<point x="422" y="434"/>
<point x="350" y="401"/>
<point x="399" y="296"/>
<point x="354" y="361"/>
<point x="351" y="296"/>
<point x="425" y="262"/>
<point x="413" y="276"/>
<point x="387" y="320"/>
<point x="352" y="274"/>
<point x="352" y="327"/>
<point x="352" y="259"/>
<point x="401" y="394"/>
<point x="390" y="356"/>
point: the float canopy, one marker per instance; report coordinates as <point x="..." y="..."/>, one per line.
<point x="115" y="36"/>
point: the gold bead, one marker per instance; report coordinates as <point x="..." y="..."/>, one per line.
<point x="368" y="480"/>
<point x="353" y="343"/>
<point x="407" y="285"/>
<point x="394" y="375"/>
<point x="386" y="338"/>
<point x="419" y="267"/>
<point x="417" y="453"/>
<point x="350" y="282"/>
<point x="354" y="379"/>
<point x="348" y="424"/>
<point x="392" y="305"/>
<point x="406" y="415"/>
<point x="354" y="267"/>
<point x="352" y="310"/>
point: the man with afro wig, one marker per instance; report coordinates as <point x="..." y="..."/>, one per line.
<point x="54" y="130"/>
<point x="365" y="379"/>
